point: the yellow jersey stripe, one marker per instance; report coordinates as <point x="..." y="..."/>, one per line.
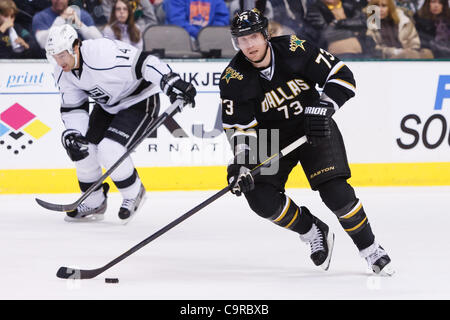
<point x="343" y="83"/>
<point x="343" y="65"/>
<point x="252" y="124"/>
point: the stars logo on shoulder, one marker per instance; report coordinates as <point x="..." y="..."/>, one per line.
<point x="296" y="43"/>
<point x="230" y="73"/>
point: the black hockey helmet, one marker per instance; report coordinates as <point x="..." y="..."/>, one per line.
<point x="248" y="22"/>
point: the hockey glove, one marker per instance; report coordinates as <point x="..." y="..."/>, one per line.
<point x="75" y="144"/>
<point x="317" y="122"/>
<point x="239" y="174"/>
<point x="241" y="179"/>
<point x="176" y="88"/>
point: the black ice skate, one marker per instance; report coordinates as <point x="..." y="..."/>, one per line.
<point x="321" y="240"/>
<point x="378" y="260"/>
<point x="130" y="206"/>
<point x="84" y="213"/>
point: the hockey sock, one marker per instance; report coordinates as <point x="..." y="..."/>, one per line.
<point x="129" y="187"/>
<point x="292" y="217"/>
<point x="96" y="198"/>
<point x="354" y="221"/>
<point x="88" y="172"/>
<point x="340" y="198"/>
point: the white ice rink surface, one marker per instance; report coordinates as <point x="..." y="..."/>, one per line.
<point x="225" y="251"/>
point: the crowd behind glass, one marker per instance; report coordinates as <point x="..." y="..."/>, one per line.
<point x="349" y="29"/>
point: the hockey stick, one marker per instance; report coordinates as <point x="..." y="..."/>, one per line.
<point x="171" y="111"/>
<point x="72" y="273"/>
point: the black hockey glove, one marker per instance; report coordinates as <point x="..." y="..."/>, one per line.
<point x="317" y="122"/>
<point x="240" y="178"/>
<point x="176" y="88"/>
<point x="239" y="175"/>
<point x="75" y="144"/>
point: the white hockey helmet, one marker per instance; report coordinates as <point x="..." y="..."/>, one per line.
<point x="60" y="38"/>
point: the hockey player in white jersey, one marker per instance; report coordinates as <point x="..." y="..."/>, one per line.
<point x="125" y="83"/>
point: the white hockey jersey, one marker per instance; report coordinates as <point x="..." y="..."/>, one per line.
<point x="113" y="73"/>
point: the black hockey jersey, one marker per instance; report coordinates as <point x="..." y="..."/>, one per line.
<point x="277" y="98"/>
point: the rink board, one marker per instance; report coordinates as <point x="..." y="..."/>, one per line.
<point x="396" y="130"/>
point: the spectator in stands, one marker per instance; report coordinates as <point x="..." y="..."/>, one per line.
<point x="144" y="12"/>
<point x="290" y="13"/>
<point x="15" y="41"/>
<point x="94" y="8"/>
<point x="410" y="7"/>
<point x="433" y="26"/>
<point x="396" y="37"/>
<point x="193" y="15"/>
<point x="237" y="6"/>
<point x="121" y="25"/>
<point x="27" y="9"/>
<point x="60" y="13"/>
<point x="340" y="27"/>
<point x="277" y="29"/>
<point x="160" y="12"/>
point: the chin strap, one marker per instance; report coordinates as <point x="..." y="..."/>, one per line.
<point x="76" y="60"/>
<point x="74" y="55"/>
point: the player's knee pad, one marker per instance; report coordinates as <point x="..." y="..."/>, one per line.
<point x="109" y="151"/>
<point x="264" y="200"/>
<point x="336" y="193"/>
<point x="125" y="176"/>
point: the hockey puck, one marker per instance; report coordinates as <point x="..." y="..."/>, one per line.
<point x="111" y="280"/>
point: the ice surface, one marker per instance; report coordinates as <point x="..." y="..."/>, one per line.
<point x="225" y="251"/>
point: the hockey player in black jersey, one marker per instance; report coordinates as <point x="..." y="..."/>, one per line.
<point x="271" y="84"/>
<point x="124" y="83"/>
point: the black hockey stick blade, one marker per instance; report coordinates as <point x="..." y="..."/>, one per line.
<point x="77" y="274"/>
<point x="54" y="206"/>
<point x="174" y="108"/>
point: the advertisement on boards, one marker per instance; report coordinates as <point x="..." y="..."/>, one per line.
<point x="400" y="114"/>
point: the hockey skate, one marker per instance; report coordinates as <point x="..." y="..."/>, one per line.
<point x="321" y="240"/>
<point x="84" y="213"/>
<point x="129" y="207"/>
<point x="378" y="260"/>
